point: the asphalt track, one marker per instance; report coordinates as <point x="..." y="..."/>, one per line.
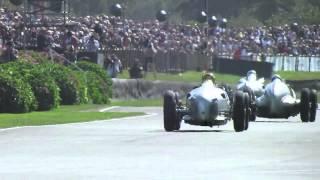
<point x="137" y="148"/>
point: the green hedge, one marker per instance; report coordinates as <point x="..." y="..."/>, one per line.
<point x="83" y="88"/>
<point x="16" y="95"/>
<point x="68" y="83"/>
<point x="42" y="85"/>
<point x="98" y="82"/>
<point x="45" y="89"/>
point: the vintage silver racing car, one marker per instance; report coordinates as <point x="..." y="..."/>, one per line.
<point x="206" y="105"/>
<point x="279" y="101"/>
<point x="252" y="82"/>
<point x="254" y="87"/>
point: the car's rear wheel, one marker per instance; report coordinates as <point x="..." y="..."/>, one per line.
<point x="239" y="115"/>
<point x="170" y="117"/>
<point x="305" y="105"/>
<point x="314" y="105"/>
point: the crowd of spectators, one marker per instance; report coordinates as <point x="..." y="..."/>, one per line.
<point x="94" y="33"/>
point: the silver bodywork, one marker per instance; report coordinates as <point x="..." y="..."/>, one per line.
<point x="207" y="105"/>
<point x="278" y="101"/>
<point x="257" y="86"/>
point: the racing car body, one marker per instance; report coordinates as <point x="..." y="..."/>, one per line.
<point x="279" y="101"/>
<point x="251" y="82"/>
<point x="254" y="88"/>
<point x="210" y="105"/>
<point x="206" y="105"/>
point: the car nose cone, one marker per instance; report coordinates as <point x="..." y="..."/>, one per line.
<point x="202" y="109"/>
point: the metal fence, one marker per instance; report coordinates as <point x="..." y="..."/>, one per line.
<point x="170" y="61"/>
<point x="173" y="61"/>
<point x="295" y="63"/>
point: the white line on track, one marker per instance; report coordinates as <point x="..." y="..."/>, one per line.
<point x="109" y="108"/>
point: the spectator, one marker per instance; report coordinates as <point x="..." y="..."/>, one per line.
<point x="117" y="63"/>
<point x="136" y="71"/>
<point x="149" y="53"/>
<point x="10" y="53"/>
<point x="70" y="45"/>
<point x="70" y="42"/>
<point x="92" y="45"/>
<point x="114" y="66"/>
<point x="152" y="36"/>
<point x="43" y="40"/>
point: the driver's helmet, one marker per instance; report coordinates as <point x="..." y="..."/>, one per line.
<point x="276" y="76"/>
<point x="208" y="76"/>
<point x="251" y="72"/>
<point x="251" y="75"/>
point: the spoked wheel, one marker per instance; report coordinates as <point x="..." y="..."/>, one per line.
<point x="314" y="105"/>
<point x="305" y="105"/>
<point x="239" y="112"/>
<point x="170" y="116"/>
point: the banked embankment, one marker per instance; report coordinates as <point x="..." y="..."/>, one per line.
<point x="139" y="88"/>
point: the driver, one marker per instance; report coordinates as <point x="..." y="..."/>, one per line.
<point x="252" y="75"/>
<point x="209" y="76"/>
<point x="276" y="76"/>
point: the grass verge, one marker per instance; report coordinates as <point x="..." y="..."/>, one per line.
<point x="137" y="102"/>
<point x="299" y="75"/>
<point x="62" y="115"/>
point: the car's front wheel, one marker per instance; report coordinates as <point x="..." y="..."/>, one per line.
<point x="239" y="112"/>
<point x="252" y="99"/>
<point x="170" y="116"/>
<point x="305" y="105"/>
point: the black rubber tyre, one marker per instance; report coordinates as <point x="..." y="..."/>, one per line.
<point x="170" y="117"/>
<point x="314" y="105"/>
<point x="239" y="112"/>
<point x="252" y="100"/>
<point x="305" y="105"/>
<point x="247" y="110"/>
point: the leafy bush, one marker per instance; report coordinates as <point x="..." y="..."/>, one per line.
<point x="68" y="83"/>
<point x="33" y="57"/>
<point x="45" y="89"/>
<point x="43" y="85"/>
<point x="16" y="95"/>
<point x="98" y="82"/>
<point x="97" y="89"/>
<point x="83" y="89"/>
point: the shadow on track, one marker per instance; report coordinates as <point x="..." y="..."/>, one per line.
<point x="276" y="121"/>
<point x="204" y="131"/>
<point x="197" y="131"/>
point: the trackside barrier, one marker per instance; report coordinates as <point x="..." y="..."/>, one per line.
<point x="241" y="67"/>
<point x="314" y="64"/>
<point x="295" y="63"/>
<point x="175" y="61"/>
<point x="170" y="61"/>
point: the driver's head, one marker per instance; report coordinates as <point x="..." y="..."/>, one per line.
<point x="69" y="33"/>
<point x="208" y="76"/>
<point x="252" y="74"/>
<point x="276" y="76"/>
